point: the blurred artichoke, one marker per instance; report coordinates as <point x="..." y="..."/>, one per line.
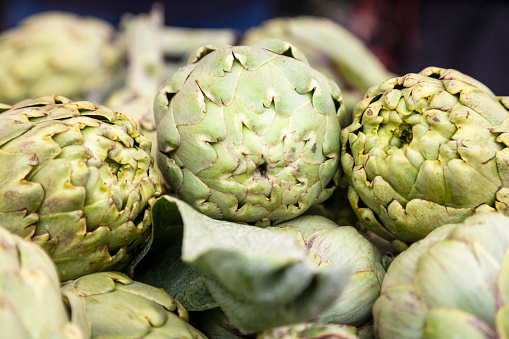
<point x="31" y="303"/>
<point x="452" y="284"/>
<point x="59" y="52"/>
<point x="425" y="150"/>
<point x="249" y="133"/>
<point x="328" y="242"/>
<point x="311" y="331"/>
<point x="330" y="49"/>
<point x="119" y="307"/>
<point x="76" y="179"/>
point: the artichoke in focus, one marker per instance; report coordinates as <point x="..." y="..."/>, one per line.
<point x="344" y="245"/>
<point x="119" y="307"/>
<point x="31" y="302"/>
<point x="451" y="284"/>
<point x="425" y="150"/>
<point x="78" y="180"/>
<point x="249" y="133"/>
<point x="59" y="52"/>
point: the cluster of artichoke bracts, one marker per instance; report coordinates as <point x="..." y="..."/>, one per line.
<point x="279" y="205"/>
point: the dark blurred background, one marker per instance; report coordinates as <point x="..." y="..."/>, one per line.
<point x="471" y="36"/>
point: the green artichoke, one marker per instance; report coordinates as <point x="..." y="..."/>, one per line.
<point x="76" y="179"/>
<point x="59" y="52"/>
<point x="31" y="303"/>
<point x="425" y="150"/>
<point x="344" y="245"/>
<point x="249" y="133"/>
<point x="452" y="284"/>
<point x="119" y="307"/>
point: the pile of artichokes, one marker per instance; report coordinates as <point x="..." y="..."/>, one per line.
<point x="252" y="192"/>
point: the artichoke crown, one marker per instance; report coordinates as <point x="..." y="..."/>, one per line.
<point x="249" y="133"/>
<point x="414" y="148"/>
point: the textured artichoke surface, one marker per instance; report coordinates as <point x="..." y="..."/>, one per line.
<point x="452" y="284"/>
<point x="58" y="53"/>
<point x="345" y="246"/>
<point x="119" y="307"/>
<point x="249" y="133"/>
<point x="76" y="179"/>
<point x="31" y="302"/>
<point x="425" y="150"/>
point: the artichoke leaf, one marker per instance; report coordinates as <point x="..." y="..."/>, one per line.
<point x="260" y="278"/>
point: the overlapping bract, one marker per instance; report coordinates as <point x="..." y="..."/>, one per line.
<point x="345" y="246"/>
<point x="76" y="179"/>
<point x="453" y="283"/>
<point x="31" y="303"/>
<point x="58" y="53"/>
<point x="119" y="307"/>
<point x="425" y="150"/>
<point x="249" y="133"/>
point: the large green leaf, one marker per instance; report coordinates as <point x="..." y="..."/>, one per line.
<point x="259" y="277"/>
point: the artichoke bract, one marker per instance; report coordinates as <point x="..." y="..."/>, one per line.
<point x="426" y="150"/>
<point x="451" y="284"/>
<point x="31" y="302"/>
<point x="249" y="133"/>
<point x="345" y="246"/>
<point x="119" y="307"/>
<point x="59" y="53"/>
<point x="78" y="180"/>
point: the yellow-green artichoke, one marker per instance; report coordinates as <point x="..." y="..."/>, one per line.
<point x="59" y="53"/>
<point x="31" y="302"/>
<point x="77" y="179"/>
<point x="119" y="307"/>
<point x="425" y="150"/>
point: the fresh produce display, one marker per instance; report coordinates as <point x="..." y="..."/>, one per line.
<point x="279" y="184"/>
<point x="424" y="150"/>
<point x="453" y="283"/>
<point x="59" y="53"/>
<point x="249" y="133"/>
<point x="76" y="179"/>
<point x="31" y="303"/>
<point x="118" y="307"/>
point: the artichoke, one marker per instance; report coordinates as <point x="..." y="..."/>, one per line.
<point x="249" y="133"/>
<point x="31" y="303"/>
<point x="77" y="179"/>
<point x="414" y="148"/>
<point x="344" y="245"/>
<point x="330" y="49"/>
<point x="311" y="331"/>
<point x="119" y="307"/>
<point x="451" y="284"/>
<point x="59" y="52"/>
